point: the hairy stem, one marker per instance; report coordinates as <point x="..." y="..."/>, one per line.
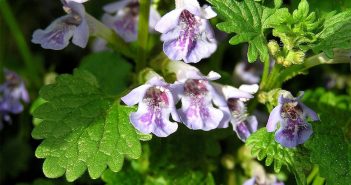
<point x="265" y="74"/>
<point x="24" y="50"/>
<point x="143" y="34"/>
<point x="341" y="57"/>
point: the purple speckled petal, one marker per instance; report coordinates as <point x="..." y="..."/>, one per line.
<point x="56" y="36"/>
<point x="142" y="119"/>
<point x="164" y="127"/>
<point x="309" y="112"/>
<point x="293" y="132"/>
<point x="154" y="112"/>
<point x="169" y="21"/>
<point x="200" y="116"/>
<point x="274" y="118"/>
<point x="246" y="128"/>
<point x="135" y="96"/>
<point x="204" y="46"/>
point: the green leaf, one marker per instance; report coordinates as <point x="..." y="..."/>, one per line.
<point x="127" y="176"/>
<point x="248" y="20"/>
<point x="83" y="129"/>
<point x="263" y="145"/>
<point x="110" y="69"/>
<point x="330" y="146"/>
<point x="336" y="33"/>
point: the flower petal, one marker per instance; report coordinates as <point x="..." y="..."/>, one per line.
<point x="274" y="118"/>
<point x="168" y="21"/>
<point x="57" y="35"/>
<point x="81" y="34"/>
<point x="293" y="132"/>
<point x="309" y="112"/>
<point x="200" y="115"/>
<point x="164" y="127"/>
<point x="246" y="128"/>
<point x="208" y="12"/>
<point x="135" y="96"/>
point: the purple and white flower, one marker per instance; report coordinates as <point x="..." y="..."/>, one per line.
<point x="58" y="34"/>
<point x="187" y="33"/>
<point x="292" y="116"/>
<point x="156" y="102"/>
<point x="12" y="91"/>
<point x="248" y="73"/>
<point x="235" y="109"/>
<point x="123" y="16"/>
<point x="197" y="97"/>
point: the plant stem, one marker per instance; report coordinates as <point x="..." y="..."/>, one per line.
<point x="265" y="74"/>
<point x="271" y="79"/>
<point x="143" y="34"/>
<point x="313" y="174"/>
<point x="319" y="181"/>
<point x="341" y="57"/>
<point x="20" y="40"/>
<point x="116" y="43"/>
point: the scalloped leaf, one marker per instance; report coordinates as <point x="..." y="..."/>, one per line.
<point x="263" y="146"/>
<point x="83" y="129"/>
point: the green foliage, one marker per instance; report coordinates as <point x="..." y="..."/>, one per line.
<point x="11" y="159"/>
<point x="330" y="145"/>
<point x="263" y="145"/>
<point x="326" y="6"/>
<point x="297" y="29"/>
<point x="182" y="158"/>
<point x="322" y="97"/>
<point x="83" y="128"/>
<point x="248" y="20"/>
<point x="127" y="176"/>
<point x="336" y="33"/>
<point x="110" y="69"/>
<point x="46" y="182"/>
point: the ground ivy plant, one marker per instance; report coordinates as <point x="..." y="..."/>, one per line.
<point x="156" y="99"/>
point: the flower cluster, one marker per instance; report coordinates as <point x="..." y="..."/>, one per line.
<point x="12" y="91"/>
<point x="204" y="104"/>
<point x="292" y="114"/>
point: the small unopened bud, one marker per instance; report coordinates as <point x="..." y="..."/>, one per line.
<point x="228" y="162"/>
<point x="273" y="47"/>
<point x="299" y="57"/>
